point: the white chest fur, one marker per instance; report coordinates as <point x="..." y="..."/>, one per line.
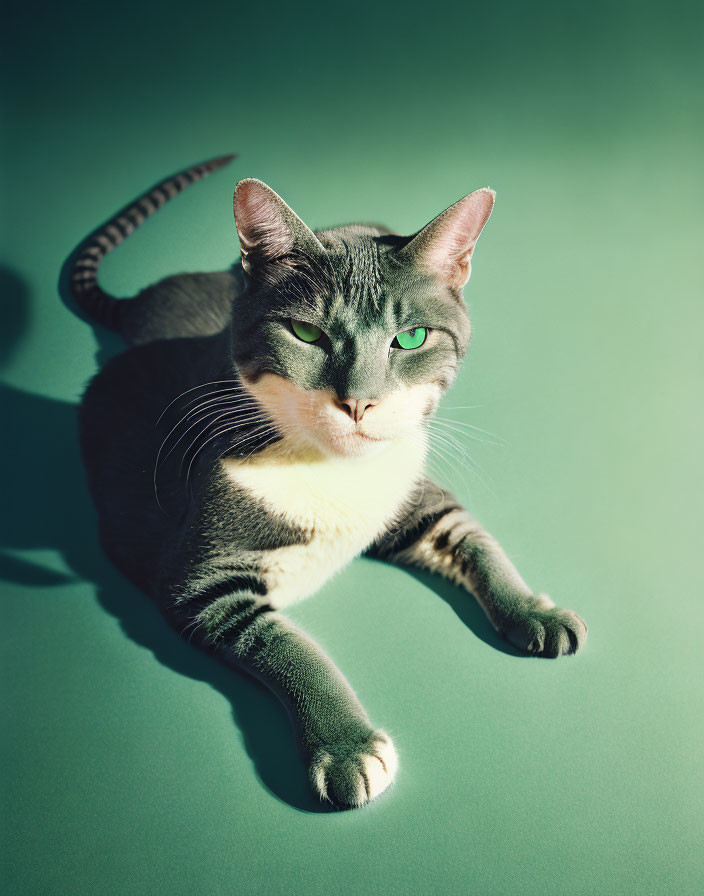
<point x="342" y="504"/>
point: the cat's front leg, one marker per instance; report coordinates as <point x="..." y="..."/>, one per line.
<point x="438" y="534"/>
<point x="350" y="762"/>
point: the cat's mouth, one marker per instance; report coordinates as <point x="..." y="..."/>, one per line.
<point x="354" y="442"/>
<point x="364" y="435"/>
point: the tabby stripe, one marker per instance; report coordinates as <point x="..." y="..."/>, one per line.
<point x="104" y="241"/>
<point x="125" y="225"/>
<point x="235" y="627"/>
<point x="97" y="251"/>
<point x="229" y="586"/>
<point x="452" y="545"/>
<point x="453" y="529"/>
<point x="413" y="533"/>
<point x="157" y="198"/>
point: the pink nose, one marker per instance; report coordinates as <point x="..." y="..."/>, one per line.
<point x="355" y="407"/>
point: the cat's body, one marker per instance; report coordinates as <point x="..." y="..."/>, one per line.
<point x="232" y="467"/>
<point x="330" y="508"/>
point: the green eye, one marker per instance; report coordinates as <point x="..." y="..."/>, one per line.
<point x="411" y="338"/>
<point x="306" y="332"/>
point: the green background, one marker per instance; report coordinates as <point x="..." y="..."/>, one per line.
<point x="132" y="763"/>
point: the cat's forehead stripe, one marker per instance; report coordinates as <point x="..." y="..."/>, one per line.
<point x="360" y="276"/>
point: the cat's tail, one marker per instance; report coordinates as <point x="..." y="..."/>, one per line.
<point x="106" y="309"/>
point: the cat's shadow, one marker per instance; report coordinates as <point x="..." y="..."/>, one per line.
<point x="466" y="608"/>
<point x="47" y="506"/>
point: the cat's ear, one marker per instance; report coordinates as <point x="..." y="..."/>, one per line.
<point x="445" y="246"/>
<point x="269" y="231"/>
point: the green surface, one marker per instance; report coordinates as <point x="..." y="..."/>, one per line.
<point x="131" y="763"/>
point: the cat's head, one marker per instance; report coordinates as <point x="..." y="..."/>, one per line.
<point x="349" y="337"/>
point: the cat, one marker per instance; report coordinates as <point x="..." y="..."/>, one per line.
<point x="268" y="424"/>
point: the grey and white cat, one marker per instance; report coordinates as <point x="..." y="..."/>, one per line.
<point x="269" y="424"/>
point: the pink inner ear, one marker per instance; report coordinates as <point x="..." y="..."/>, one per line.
<point x="259" y="221"/>
<point x="449" y="240"/>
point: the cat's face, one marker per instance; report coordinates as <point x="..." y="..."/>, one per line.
<point x="349" y="338"/>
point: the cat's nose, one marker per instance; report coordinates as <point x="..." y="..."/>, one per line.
<point x="355" y="407"/>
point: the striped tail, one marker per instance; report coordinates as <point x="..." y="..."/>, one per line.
<point x="105" y="309"/>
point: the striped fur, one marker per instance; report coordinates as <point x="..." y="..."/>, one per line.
<point x="95" y="302"/>
<point x="437" y="534"/>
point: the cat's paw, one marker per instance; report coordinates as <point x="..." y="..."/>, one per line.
<point x="545" y="630"/>
<point x="352" y="774"/>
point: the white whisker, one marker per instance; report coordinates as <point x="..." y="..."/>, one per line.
<point x="201" y="386"/>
